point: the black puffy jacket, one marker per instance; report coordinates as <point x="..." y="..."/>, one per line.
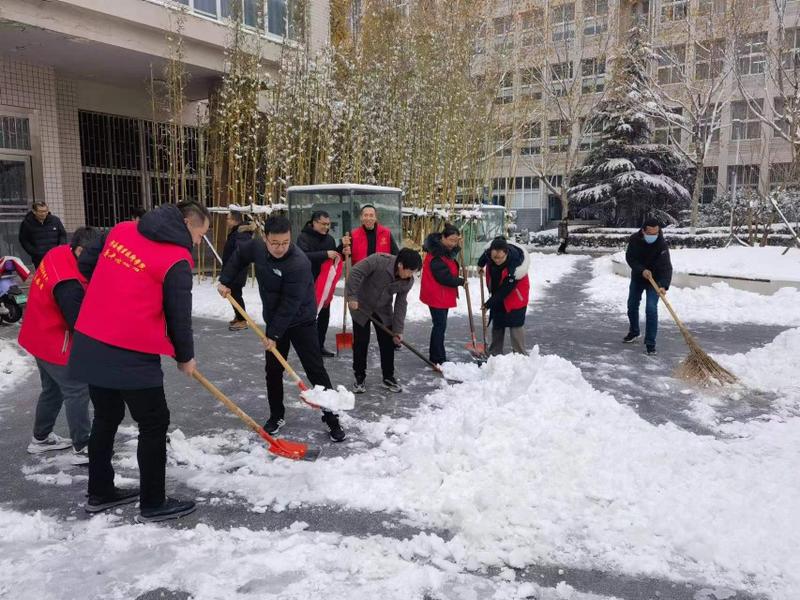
<point x="38" y="238"/>
<point x="237" y="235"/>
<point x="285" y="284"/>
<point x="316" y="246"/>
<point x="655" y="257"/>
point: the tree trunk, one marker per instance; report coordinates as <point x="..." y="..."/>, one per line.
<point x="696" y="192"/>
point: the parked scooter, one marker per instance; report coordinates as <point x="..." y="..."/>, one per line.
<point x="12" y="298"/>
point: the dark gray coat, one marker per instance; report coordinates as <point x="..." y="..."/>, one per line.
<point x="372" y="283"/>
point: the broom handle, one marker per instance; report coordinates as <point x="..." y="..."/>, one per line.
<point x="252" y="324"/>
<point x="483" y="308"/>
<point x="687" y="336"/>
<point x="248" y="420"/>
<point x="344" y="296"/>
<point x="402" y="341"/>
<point x="469" y="301"/>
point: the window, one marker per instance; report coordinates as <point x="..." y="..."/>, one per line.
<point x="666" y="131"/>
<point x="751" y="54"/>
<point x="743" y="6"/>
<point x="530" y="83"/>
<point x="708" y="7"/>
<point x="531" y="27"/>
<point x="709" y="59"/>
<point x="558" y="135"/>
<point x="506" y="92"/>
<point x="745" y="124"/>
<point x="593" y="75"/>
<point x="554" y="206"/>
<point x="674" y="10"/>
<point x="560" y="77"/>
<point x="779" y="116"/>
<point x="742" y="177"/>
<point x="710" y="177"/>
<point x="592" y="133"/>
<point x="503" y="33"/>
<point x="247" y="10"/>
<point x="671" y="64"/>
<point x="709" y="125"/>
<point x="595" y="17"/>
<point x="284" y="18"/>
<point x="499" y="186"/>
<point x="206" y="7"/>
<point x="791" y="49"/>
<point x="781" y="174"/>
<point x="531" y="142"/>
<point x="562" y="20"/>
<point x="503" y="142"/>
<point x="526" y="192"/>
<point x="15" y="133"/>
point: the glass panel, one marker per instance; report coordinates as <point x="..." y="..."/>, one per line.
<point x="336" y="204"/>
<point x="387" y="205"/>
<point x="16" y="194"/>
<point x="276" y="17"/>
<point x="206" y="7"/>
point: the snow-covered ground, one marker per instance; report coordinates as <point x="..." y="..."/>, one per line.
<point x="545" y="270"/>
<point x="717" y="303"/>
<point x="15" y="365"/>
<point x="524" y="463"/>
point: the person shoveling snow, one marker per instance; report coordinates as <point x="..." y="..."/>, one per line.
<point x="339" y="399"/>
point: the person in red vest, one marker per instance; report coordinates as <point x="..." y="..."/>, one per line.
<point x="138" y="306"/>
<point x="506" y="267"/>
<point x="368" y="239"/>
<point x="55" y="299"/>
<point x="440" y="283"/>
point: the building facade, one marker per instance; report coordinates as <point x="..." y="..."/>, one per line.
<point x="549" y="61"/>
<point x="77" y="81"/>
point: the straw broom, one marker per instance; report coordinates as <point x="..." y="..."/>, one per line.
<point x="698" y="366"/>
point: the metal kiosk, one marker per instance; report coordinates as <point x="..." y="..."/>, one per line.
<point x="343" y="202"/>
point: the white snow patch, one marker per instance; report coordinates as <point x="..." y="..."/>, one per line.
<point x="15" y="365"/>
<point x="717" y="303"/>
<point x="738" y="261"/>
<point x="339" y="399"/>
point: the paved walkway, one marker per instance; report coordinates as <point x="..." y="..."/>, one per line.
<point x="566" y="323"/>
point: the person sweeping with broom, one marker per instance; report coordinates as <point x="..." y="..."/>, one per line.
<point x="648" y="257"/>
<point x="286" y="287"/>
<point x="440" y="283"/>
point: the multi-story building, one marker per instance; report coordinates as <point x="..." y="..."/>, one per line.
<point x="77" y="81"/>
<point x="549" y="59"/>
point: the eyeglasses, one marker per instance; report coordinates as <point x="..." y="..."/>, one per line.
<point x="279" y="244"/>
<point x="324" y="223"/>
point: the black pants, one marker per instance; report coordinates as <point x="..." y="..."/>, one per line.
<point x="439" y="319"/>
<point x="148" y="407"/>
<point x="236" y="293"/>
<point x="323" y="318"/>
<point x="305" y="342"/>
<point x="361" y="345"/>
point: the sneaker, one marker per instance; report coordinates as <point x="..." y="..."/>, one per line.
<point x="273" y="425"/>
<point x="80" y="458"/>
<point x="390" y="383"/>
<point x="232" y="321"/>
<point x="327" y="353"/>
<point x="119" y="497"/>
<point x="359" y="387"/>
<point x="171" y="508"/>
<point x="237" y="326"/>
<point x="630" y="338"/>
<point x="650" y="350"/>
<point x="51" y="442"/>
<point x="332" y="421"/>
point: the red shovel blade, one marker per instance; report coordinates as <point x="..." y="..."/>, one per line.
<point x="344" y="341"/>
<point x="289" y="449"/>
<point x="476" y="348"/>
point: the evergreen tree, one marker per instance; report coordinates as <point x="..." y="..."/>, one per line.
<point x="626" y="178"/>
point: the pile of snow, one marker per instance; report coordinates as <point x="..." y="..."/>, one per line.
<point x="737" y="261"/>
<point x="15" y="365"/>
<point x="339" y="399"/>
<point x="718" y="303"/>
<point x="525" y="463"/>
<point x="545" y="270"/>
<point x="100" y="558"/>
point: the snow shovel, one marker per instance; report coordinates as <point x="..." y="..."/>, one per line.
<point x="284" y="448"/>
<point x="698" y="366"/>
<point x="344" y="340"/>
<point x="476" y="348"/>
<point x="295" y="377"/>
<point x="432" y="365"/>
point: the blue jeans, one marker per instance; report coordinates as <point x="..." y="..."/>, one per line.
<point x="650" y="310"/>
<point x="439" y="319"/>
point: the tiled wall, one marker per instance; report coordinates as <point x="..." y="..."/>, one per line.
<point x="52" y="103"/>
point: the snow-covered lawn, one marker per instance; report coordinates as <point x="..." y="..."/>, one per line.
<point x="545" y="270"/>
<point x="717" y="303"/>
<point x="15" y="365"/>
<point x="738" y="261"/>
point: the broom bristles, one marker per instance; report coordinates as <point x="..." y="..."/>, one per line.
<point x="703" y="369"/>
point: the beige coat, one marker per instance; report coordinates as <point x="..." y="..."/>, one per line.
<point x="372" y="283"/>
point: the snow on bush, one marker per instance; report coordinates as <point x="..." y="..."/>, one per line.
<point x="717" y="303"/>
<point x="525" y="463"/>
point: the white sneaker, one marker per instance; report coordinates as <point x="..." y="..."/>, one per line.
<point x="80" y="457"/>
<point x="51" y="442"/>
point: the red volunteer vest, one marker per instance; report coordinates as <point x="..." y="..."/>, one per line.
<point x="325" y="285"/>
<point x="124" y="305"/>
<point x="433" y="293"/>
<point x="518" y="298"/>
<point x="45" y="333"/>
<point x="383" y="242"/>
